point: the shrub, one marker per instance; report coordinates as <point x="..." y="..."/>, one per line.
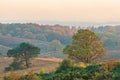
<point x="15" y="66"/>
<point x="116" y="72"/>
<point x="65" y="64"/>
<point x="66" y="71"/>
<point x="30" y="77"/>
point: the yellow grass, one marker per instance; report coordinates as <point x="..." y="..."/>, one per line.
<point x="48" y="64"/>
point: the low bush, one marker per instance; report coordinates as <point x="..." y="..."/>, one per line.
<point x="67" y="71"/>
<point x="15" y="66"/>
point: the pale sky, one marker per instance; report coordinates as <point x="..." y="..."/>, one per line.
<point x="60" y="10"/>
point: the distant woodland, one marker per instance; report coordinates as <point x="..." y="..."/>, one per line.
<point x="53" y="38"/>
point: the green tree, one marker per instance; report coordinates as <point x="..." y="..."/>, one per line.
<point x="24" y="52"/>
<point x="55" y="45"/>
<point x="65" y="64"/>
<point x="85" y="46"/>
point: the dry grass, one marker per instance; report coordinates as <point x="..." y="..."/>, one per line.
<point x="48" y="64"/>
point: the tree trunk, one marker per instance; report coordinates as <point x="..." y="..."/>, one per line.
<point x="26" y="60"/>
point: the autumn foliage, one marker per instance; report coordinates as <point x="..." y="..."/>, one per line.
<point x="85" y="46"/>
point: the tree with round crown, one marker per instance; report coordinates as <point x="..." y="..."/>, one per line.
<point x="85" y="46"/>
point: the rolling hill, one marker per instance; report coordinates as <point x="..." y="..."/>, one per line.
<point x="45" y="36"/>
<point x="4" y="49"/>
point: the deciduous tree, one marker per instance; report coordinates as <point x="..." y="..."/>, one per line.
<point x="85" y="46"/>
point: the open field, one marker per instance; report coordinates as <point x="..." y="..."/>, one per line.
<point x="47" y="63"/>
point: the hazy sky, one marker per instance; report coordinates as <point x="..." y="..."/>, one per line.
<point x="60" y="10"/>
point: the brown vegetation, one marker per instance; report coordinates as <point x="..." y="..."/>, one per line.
<point x="48" y="64"/>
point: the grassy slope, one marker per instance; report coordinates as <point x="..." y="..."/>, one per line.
<point x="13" y="41"/>
<point x="4" y="49"/>
<point x="48" y="64"/>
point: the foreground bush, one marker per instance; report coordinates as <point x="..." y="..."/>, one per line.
<point x="26" y="77"/>
<point x="106" y="71"/>
<point x="65" y="64"/>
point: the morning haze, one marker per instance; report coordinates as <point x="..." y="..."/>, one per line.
<point x="60" y="10"/>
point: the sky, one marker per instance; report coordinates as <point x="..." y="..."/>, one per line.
<point x="60" y="10"/>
